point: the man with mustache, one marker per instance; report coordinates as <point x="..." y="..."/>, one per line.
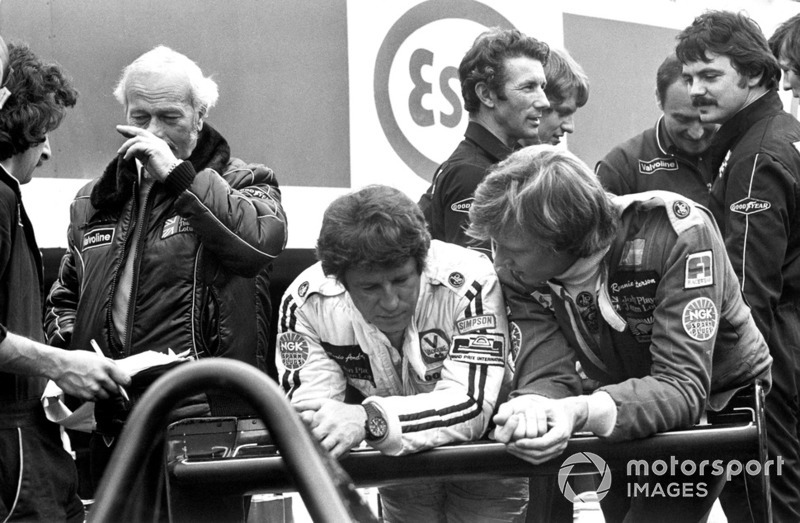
<point x="170" y="247"/>
<point x="733" y="79"/>
<point x="670" y="156"/>
<point x="502" y="83"/>
<point x="416" y="331"/>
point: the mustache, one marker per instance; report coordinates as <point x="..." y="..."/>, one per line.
<point x="699" y="101"/>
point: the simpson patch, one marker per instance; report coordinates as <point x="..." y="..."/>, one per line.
<point x="700" y="319"/>
<point x="748" y="206"/>
<point x="481" y="349"/>
<point x="659" y="164"/>
<point x="699" y="270"/>
<point x="433" y="345"/>
<point x="97" y="238"/>
<point x="293" y="349"/>
<point x="175" y="225"/>
<point x="476" y="323"/>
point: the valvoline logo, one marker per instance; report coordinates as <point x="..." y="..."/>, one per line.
<point x="749" y="206"/>
<point x="659" y="164"/>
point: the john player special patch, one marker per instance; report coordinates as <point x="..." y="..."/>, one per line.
<point x="175" y="225"/>
<point x="633" y="294"/>
<point x="353" y="361"/>
<point x="481" y="349"/>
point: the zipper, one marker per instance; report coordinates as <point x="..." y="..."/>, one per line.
<point x="141" y="226"/>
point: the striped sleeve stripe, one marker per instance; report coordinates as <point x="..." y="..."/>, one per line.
<point x="475" y="297"/>
<point x="288" y="316"/>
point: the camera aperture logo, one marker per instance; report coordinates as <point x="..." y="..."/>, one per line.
<point x="584" y="458"/>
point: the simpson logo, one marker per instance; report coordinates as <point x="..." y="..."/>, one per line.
<point x="293" y="349"/>
<point x="659" y="164"/>
<point x="699" y="270"/>
<point x="481" y="349"/>
<point x="749" y="206"/>
<point x="681" y="209"/>
<point x="175" y="225"/>
<point x="434" y="345"/>
<point x="303" y="289"/>
<point x="456" y="279"/>
<point x="255" y="192"/>
<point x="97" y="238"/>
<point x="462" y="206"/>
<point x="476" y="323"/>
<point x="700" y="319"/>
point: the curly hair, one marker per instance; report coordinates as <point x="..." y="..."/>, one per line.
<point x="785" y="41"/>
<point x="40" y="94"/>
<point x="377" y="227"/>
<point x="734" y="35"/>
<point x="485" y="62"/>
<point x="547" y="193"/>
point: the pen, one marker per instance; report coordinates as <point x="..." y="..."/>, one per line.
<point x="122" y="391"/>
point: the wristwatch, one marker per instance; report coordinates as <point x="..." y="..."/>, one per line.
<point x="375" y="426"/>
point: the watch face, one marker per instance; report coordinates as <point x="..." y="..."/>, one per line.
<point x="377" y="427"/>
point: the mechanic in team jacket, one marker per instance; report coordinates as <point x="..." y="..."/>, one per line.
<point x="418" y="328"/>
<point x="733" y="78"/>
<point x="672" y="156"/>
<point x="639" y="291"/>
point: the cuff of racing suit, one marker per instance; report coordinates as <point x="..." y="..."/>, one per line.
<point x="181" y="177"/>
<point x="392" y="444"/>
<point x="602" y="414"/>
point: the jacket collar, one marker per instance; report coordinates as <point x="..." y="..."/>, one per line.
<point x="483" y="138"/>
<point x="116" y="185"/>
<point x="730" y="132"/>
<point x="9" y="180"/>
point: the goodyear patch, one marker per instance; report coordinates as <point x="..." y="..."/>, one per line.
<point x="293" y="349"/>
<point x="353" y="361"/>
<point x="462" y="205"/>
<point x="302" y="289"/>
<point x="699" y="270"/>
<point x="700" y="319"/>
<point x="175" y="225"/>
<point x="456" y="279"/>
<point x="256" y="192"/>
<point x="433" y="346"/>
<point x="681" y="209"/>
<point x="481" y="349"/>
<point x="632" y="253"/>
<point x="659" y="164"/>
<point x="515" y="333"/>
<point x="97" y="238"/>
<point x="476" y="323"/>
<point x="748" y="206"/>
<point x="633" y="295"/>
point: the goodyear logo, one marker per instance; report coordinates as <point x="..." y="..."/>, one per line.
<point x="659" y="164"/>
<point x="749" y="206"/>
<point x="462" y="206"/>
<point x="98" y="238"/>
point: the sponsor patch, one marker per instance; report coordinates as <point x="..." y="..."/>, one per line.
<point x="456" y="279"/>
<point x="588" y="310"/>
<point x="632" y="253"/>
<point x="633" y="294"/>
<point x="748" y="206"/>
<point x="515" y="334"/>
<point x="302" y="289"/>
<point x="97" y="238"/>
<point x="293" y="349"/>
<point x="659" y="164"/>
<point x="476" y="323"/>
<point x="433" y="345"/>
<point x="584" y="299"/>
<point x="699" y="270"/>
<point x="481" y="349"/>
<point x="545" y="299"/>
<point x="462" y="206"/>
<point x="353" y="361"/>
<point x="700" y="319"/>
<point x="256" y="192"/>
<point x="175" y="225"/>
<point x="681" y="209"/>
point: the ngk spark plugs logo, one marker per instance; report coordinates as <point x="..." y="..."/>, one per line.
<point x="406" y="110"/>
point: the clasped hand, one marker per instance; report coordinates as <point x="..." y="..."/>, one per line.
<point x="535" y="428"/>
<point x="336" y="425"/>
<point x="154" y="153"/>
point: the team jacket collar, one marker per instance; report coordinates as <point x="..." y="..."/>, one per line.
<point x="115" y="186"/>
<point x="9" y="180"/>
<point x="484" y="139"/>
<point x="733" y="129"/>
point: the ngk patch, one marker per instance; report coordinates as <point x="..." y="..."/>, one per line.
<point x="97" y="238"/>
<point x="293" y="349"/>
<point x="700" y="319"/>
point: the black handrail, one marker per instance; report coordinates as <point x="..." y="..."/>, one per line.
<point x="149" y="418"/>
